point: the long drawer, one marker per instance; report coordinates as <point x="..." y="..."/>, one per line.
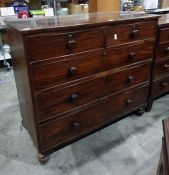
<point x="162" y="51"/>
<point x="160" y="87"/>
<point x="52" y="103"/>
<point x="64" y="71"/>
<point x="74" y="125"/>
<point x="161" y="68"/>
<point x="121" y="34"/>
<point x="51" y="45"/>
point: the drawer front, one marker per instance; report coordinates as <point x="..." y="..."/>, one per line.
<point x="121" y="34"/>
<point x="77" y="124"/>
<point x="162" y="51"/>
<point x="161" y="68"/>
<point x="164" y="36"/>
<point x="55" y="102"/>
<point x="51" y="45"/>
<point x="61" y="72"/>
<point x="160" y="87"/>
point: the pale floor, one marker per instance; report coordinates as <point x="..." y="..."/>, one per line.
<point x="128" y="147"/>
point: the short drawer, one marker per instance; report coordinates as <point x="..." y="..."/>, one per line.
<point x="50" y="104"/>
<point x="162" y="51"/>
<point x="161" y="68"/>
<point x="160" y="87"/>
<point x="121" y="34"/>
<point x="164" y="36"/>
<point x="64" y="71"/>
<point x="51" y="45"/>
<point x="80" y="123"/>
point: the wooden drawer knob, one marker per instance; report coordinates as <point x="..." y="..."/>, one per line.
<point x="75" y="125"/>
<point x="166" y="66"/>
<point x="129" y="101"/>
<point x="167" y="50"/>
<point x="104" y="53"/>
<point x="71" y="44"/>
<point x="134" y="33"/>
<point x="72" y="70"/>
<point x="163" y="84"/>
<point x="132" y="55"/>
<point x="74" y="98"/>
<point x="130" y="79"/>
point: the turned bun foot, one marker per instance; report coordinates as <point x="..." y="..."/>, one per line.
<point x="23" y="124"/>
<point x="140" y="112"/>
<point x="43" y="159"/>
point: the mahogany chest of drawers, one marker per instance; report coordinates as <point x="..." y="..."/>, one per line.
<point x="77" y="74"/>
<point x="160" y="71"/>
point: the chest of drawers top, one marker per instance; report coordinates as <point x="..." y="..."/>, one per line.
<point x="27" y="26"/>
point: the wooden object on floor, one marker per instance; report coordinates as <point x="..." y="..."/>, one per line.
<point x="163" y="167"/>
<point x="160" y="72"/>
<point x="74" y="78"/>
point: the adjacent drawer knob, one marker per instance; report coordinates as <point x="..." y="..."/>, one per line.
<point x="75" y="125"/>
<point x="129" y="101"/>
<point x="134" y="33"/>
<point x="132" y="55"/>
<point x="104" y="53"/>
<point x="74" y="98"/>
<point x="167" y="50"/>
<point x="73" y="70"/>
<point x="166" y="66"/>
<point x="130" y="79"/>
<point x="163" y="84"/>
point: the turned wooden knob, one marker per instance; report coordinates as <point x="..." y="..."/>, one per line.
<point x="74" y="98"/>
<point x="129" y="101"/>
<point x="75" y="125"/>
<point x="72" y="70"/>
<point x="134" y="33"/>
<point x="130" y="79"/>
<point x="132" y="55"/>
<point x="166" y="66"/>
<point x="167" y="50"/>
<point x="104" y="53"/>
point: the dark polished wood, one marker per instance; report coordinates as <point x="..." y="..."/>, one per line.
<point x="163" y="166"/>
<point x="52" y="134"/>
<point x="162" y="51"/>
<point x="68" y="22"/>
<point x="160" y="86"/>
<point x="87" y="92"/>
<point x="53" y="45"/>
<point x="164" y="35"/>
<point x="160" y="69"/>
<point x="77" y="74"/>
<point x="75" y="68"/>
<point x="121" y="34"/>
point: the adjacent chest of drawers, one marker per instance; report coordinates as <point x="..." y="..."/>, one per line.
<point x="160" y="71"/>
<point x="73" y="79"/>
